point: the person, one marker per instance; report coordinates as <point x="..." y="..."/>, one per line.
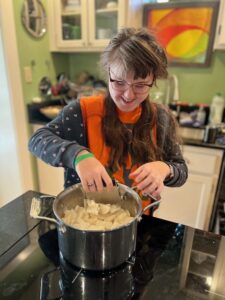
<point x="122" y="134"/>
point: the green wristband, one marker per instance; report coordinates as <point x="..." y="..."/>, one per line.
<point x="81" y="157"/>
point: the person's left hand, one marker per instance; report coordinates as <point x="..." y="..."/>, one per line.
<point x="149" y="177"/>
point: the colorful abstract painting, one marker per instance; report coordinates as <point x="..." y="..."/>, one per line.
<point x="185" y="30"/>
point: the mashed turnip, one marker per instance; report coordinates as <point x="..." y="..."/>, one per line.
<point x="97" y="216"/>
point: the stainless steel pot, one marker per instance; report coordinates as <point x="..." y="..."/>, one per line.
<point x="96" y="249"/>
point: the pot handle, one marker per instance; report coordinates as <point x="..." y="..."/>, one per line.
<point x="35" y="209"/>
<point x="138" y="217"/>
<point x="156" y="202"/>
<point x="45" y="218"/>
<point x="150" y="205"/>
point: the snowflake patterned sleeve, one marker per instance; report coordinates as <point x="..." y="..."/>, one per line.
<point x="61" y="140"/>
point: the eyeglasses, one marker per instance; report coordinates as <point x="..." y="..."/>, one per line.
<point x="122" y="86"/>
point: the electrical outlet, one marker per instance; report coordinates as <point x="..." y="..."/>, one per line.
<point x="28" y="74"/>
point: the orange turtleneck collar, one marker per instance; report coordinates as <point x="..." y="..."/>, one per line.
<point x="130" y="117"/>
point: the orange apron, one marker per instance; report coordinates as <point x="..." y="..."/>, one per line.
<point x="92" y="108"/>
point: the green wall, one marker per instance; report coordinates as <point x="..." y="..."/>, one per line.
<point x="79" y="62"/>
<point x="200" y="84"/>
<point x="35" y="52"/>
<point x="195" y="84"/>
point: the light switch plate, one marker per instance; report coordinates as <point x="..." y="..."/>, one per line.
<point x="28" y="74"/>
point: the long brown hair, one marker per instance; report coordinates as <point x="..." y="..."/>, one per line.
<point x="136" y="51"/>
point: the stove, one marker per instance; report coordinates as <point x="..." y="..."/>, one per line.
<point x="126" y="281"/>
<point x="171" y="261"/>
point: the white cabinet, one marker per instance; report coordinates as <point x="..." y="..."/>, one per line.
<point x="84" y="25"/>
<point x="188" y="204"/>
<point x="220" y="30"/>
<point x="192" y="203"/>
<point x="50" y="179"/>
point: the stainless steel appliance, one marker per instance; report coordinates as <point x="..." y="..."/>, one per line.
<point x="215" y="134"/>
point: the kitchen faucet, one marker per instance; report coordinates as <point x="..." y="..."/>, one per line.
<point x="172" y="91"/>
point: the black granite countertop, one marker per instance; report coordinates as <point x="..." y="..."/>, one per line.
<point x="16" y="223"/>
<point x="172" y="261"/>
<point x="198" y="143"/>
<point x="34" y="114"/>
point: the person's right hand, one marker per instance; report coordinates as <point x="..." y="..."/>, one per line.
<point x="92" y="174"/>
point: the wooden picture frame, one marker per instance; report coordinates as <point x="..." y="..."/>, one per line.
<point x="186" y="30"/>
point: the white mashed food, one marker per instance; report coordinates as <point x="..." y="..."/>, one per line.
<point x="97" y="216"/>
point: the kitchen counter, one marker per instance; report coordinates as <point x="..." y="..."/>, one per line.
<point x="171" y="261"/>
<point x="193" y="142"/>
<point x="34" y="114"/>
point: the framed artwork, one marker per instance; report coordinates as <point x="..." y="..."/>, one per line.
<point x="186" y="30"/>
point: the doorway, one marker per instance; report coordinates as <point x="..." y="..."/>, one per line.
<point x="15" y="164"/>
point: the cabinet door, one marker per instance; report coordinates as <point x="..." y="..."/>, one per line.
<point x="50" y="179"/>
<point x="71" y="23"/>
<point x="190" y="204"/>
<point x="220" y="30"/>
<point x="84" y="25"/>
<point x="196" y="158"/>
<point x="105" y="19"/>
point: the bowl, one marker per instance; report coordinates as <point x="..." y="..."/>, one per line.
<point x="51" y="111"/>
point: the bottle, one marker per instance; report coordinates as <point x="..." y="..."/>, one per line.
<point x="216" y="109"/>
